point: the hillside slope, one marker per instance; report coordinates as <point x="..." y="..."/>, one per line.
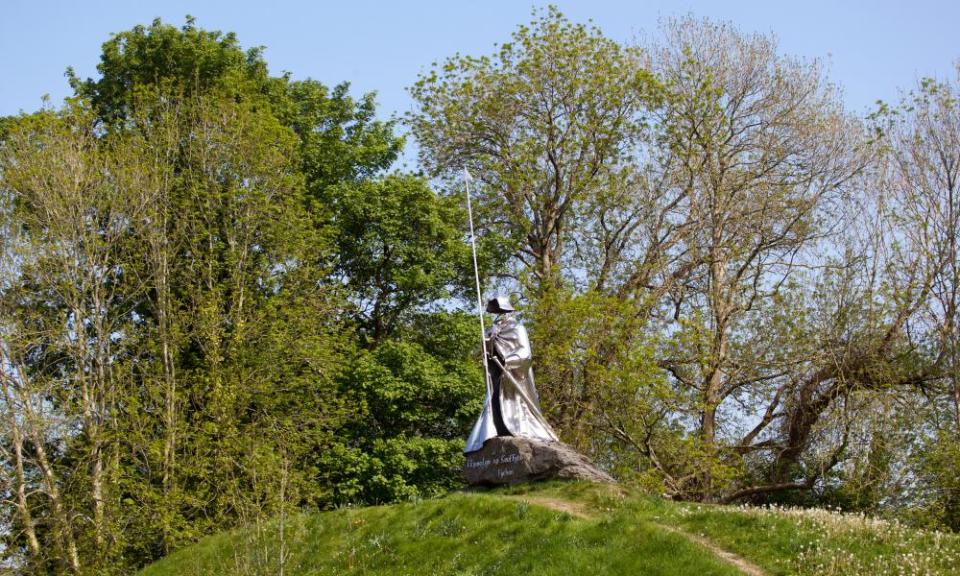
<point x="567" y="529"/>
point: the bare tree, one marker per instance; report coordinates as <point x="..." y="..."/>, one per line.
<point x="923" y="182"/>
<point x="764" y="150"/>
<point x="881" y="322"/>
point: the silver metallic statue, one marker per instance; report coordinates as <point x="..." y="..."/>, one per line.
<point x="512" y="406"/>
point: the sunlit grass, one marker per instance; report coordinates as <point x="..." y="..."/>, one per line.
<point x="607" y="531"/>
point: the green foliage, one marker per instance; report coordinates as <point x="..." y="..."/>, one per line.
<point x="399" y="247"/>
<point x="940" y="477"/>
<point x="218" y="306"/>
<point x="406" y="389"/>
<point x="214" y="232"/>
<point x="546" y="125"/>
<point x="195" y="60"/>
<point x="415" y="406"/>
<point x="391" y="469"/>
<point x="340" y="138"/>
<point x="596" y="367"/>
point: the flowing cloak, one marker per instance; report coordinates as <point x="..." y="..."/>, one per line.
<point x="512" y="406"/>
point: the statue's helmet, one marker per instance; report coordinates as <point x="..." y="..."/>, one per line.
<point x="499" y="305"/>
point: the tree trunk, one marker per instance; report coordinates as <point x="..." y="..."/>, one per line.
<point x="68" y="544"/>
<point x="62" y="529"/>
<point x="20" y="477"/>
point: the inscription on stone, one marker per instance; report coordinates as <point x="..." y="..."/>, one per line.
<point x="501" y="466"/>
<point x="474" y="463"/>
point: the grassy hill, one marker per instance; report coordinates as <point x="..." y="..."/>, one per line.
<point x="567" y="529"/>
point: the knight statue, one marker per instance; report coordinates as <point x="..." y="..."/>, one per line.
<point x="512" y="406"/>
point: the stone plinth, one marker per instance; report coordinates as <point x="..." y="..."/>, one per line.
<point x="510" y="460"/>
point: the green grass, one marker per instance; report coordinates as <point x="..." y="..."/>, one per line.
<point x="516" y="531"/>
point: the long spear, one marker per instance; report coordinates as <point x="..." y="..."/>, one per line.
<point x="467" y="179"/>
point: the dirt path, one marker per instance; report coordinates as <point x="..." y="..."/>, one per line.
<point x="579" y="510"/>
<point x="740" y="562"/>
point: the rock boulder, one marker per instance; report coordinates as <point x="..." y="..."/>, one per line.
<point x="511" y="460"/>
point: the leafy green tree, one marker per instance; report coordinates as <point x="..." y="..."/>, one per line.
<point x="191" y="59"/>
<point x="254" y="294"/>
<point x="417" y="395"/>
<point x="918" y="140"/>
<point x="547" y="126"/>
<point x="399" y="248"/>
<point x="681" y="189"/>
<point x="340" y="138"/>
<point x="60" y="298"/>
<point x="240" y="279"/>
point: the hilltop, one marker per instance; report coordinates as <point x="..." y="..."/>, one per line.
<point x="568" y="529"/>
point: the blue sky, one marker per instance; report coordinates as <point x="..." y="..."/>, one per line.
<point x="871" y="48"/>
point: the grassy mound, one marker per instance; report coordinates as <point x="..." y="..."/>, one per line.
<point x="566" y="529"/>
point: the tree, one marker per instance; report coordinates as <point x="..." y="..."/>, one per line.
<point x="147" y="351"/>
<point x="399" y="248"/>
<point x="191" y="59"/>
<point x="213" y="231"/>
<point x="763" y="149"/>
<point x="547" y="125"/>
<point x="685" y="188"/>
<point x="340" y="138"/>
<point x="418" y="393"/>
<point x="65" y="296"/>
<point x="920" y="143"/>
